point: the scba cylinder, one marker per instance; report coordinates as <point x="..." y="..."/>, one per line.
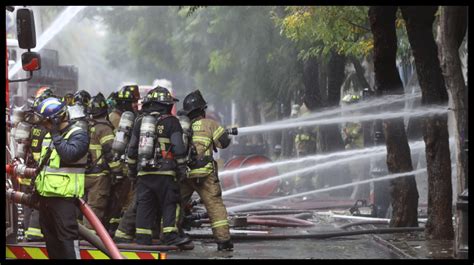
<point x="22" y="136"/>
<point x="186" y="125"/>
<point x="147" y="138"/>
<point x="123" y="132"/>
<point x="18" y="115"/>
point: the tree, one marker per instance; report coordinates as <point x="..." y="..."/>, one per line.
<point x="387" y="81"/>
<point x="453" y="24"/>
<point x="419" y="23"/>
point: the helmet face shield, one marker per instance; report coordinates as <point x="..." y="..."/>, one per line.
<point x="76" y="112"/>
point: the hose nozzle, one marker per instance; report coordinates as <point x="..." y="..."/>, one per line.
<point x="232" y="131"/>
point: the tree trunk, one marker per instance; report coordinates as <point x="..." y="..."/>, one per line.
<point x="360" y="73"/>
<point x="312" y="96"/>
<point x="387" y="81"/>
<point x="336" y="68"/>
<point x="453" y="22"/>
<point x="419" y="24"/>
<point x="286" y="137"/>
<point x="330" y="135"/>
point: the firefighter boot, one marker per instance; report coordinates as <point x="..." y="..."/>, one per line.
<point x="225" y="245"/>
<point x="143" y="239"/>
<point x="121" y="237"/>
<point x="174" y="239"/>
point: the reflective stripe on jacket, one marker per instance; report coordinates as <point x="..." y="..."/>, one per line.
<point x="59" y="179"/>
<point x="206" y="133"/>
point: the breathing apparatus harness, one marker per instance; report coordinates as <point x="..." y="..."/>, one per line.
<point x="151" y="148"/>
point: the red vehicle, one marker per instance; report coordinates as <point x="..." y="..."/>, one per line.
<point x="15" y="249"/>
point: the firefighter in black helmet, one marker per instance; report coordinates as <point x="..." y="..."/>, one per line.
<point x="125" y="101"/>
<point x="207" y="134"/>
<point x="97" y="179"/>
<point x="82" y="97"/>
<point x="156" y="151"/>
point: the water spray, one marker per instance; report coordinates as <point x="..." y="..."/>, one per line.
<point x="350" y="118"/>
<point x="343" y="186"/>
<point x="416" y="145"/>
<point x="314" y="158"/>
<point x="368" y="104"/>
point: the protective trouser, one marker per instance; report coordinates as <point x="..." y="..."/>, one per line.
<point x="59" y="226"/>
<point x="126" y="228"/>
<point x="31" y="222"/>
<point x="34" y="226"/>
<point x="97" y="189"/>
<point x="117" y="203"/>
<point x="210" y="192"/>
<point x="155" y="193"/>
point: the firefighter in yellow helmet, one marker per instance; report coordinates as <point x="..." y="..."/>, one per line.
<point x="206" y="134"/>
<point x="155" y="153"/>
<point x="353" y="137"/>
<point x="305" y="144"/>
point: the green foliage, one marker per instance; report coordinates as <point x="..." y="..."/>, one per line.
<point x="343" y="29"/>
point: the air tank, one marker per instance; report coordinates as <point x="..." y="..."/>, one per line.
<point x="22" y="137"/>
<point x="123" y="133"/>
<point x="147" y="138"/>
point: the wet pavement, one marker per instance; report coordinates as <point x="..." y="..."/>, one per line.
<point x="343" y="247"/>
<point x="407" y="245"/>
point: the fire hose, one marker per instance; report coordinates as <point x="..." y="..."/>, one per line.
<point x="324" y="235"/>
<point x="105" y="243"/>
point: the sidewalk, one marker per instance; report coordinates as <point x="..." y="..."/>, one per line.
<point x="415" y="246"/>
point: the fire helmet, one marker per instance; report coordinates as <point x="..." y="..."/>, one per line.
<point x="194" y="101"/>
<point x="128" y="93"/>
<point x="68" y="99"/>
<point x="50" y="108"/>
<point x="82" y="97"/>
<point x="351" y="98"/>
<point x="159" y="95"/>
<point x="98" y="105"/>
<point x="41" y="94"/>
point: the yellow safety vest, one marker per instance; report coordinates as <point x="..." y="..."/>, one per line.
<point x="56" y="181"/>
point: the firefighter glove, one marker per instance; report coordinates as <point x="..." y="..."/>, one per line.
<point x="182" y="173"/>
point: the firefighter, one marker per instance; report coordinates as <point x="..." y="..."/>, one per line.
<point x="99" y="164"/>
<point x="38" y="132"/>
<point x="125" y="99"/>
<point x="305" y="144"/>
<point x="61" y="179"/>
<point x="353" y="137"/>
<point x="77" y="111"/>
<point x="207" y="134"/>
<point x="68" y="99"/>
<point x="156" y="151"/>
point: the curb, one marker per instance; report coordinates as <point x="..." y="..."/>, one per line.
<point x="392" y="247"/>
